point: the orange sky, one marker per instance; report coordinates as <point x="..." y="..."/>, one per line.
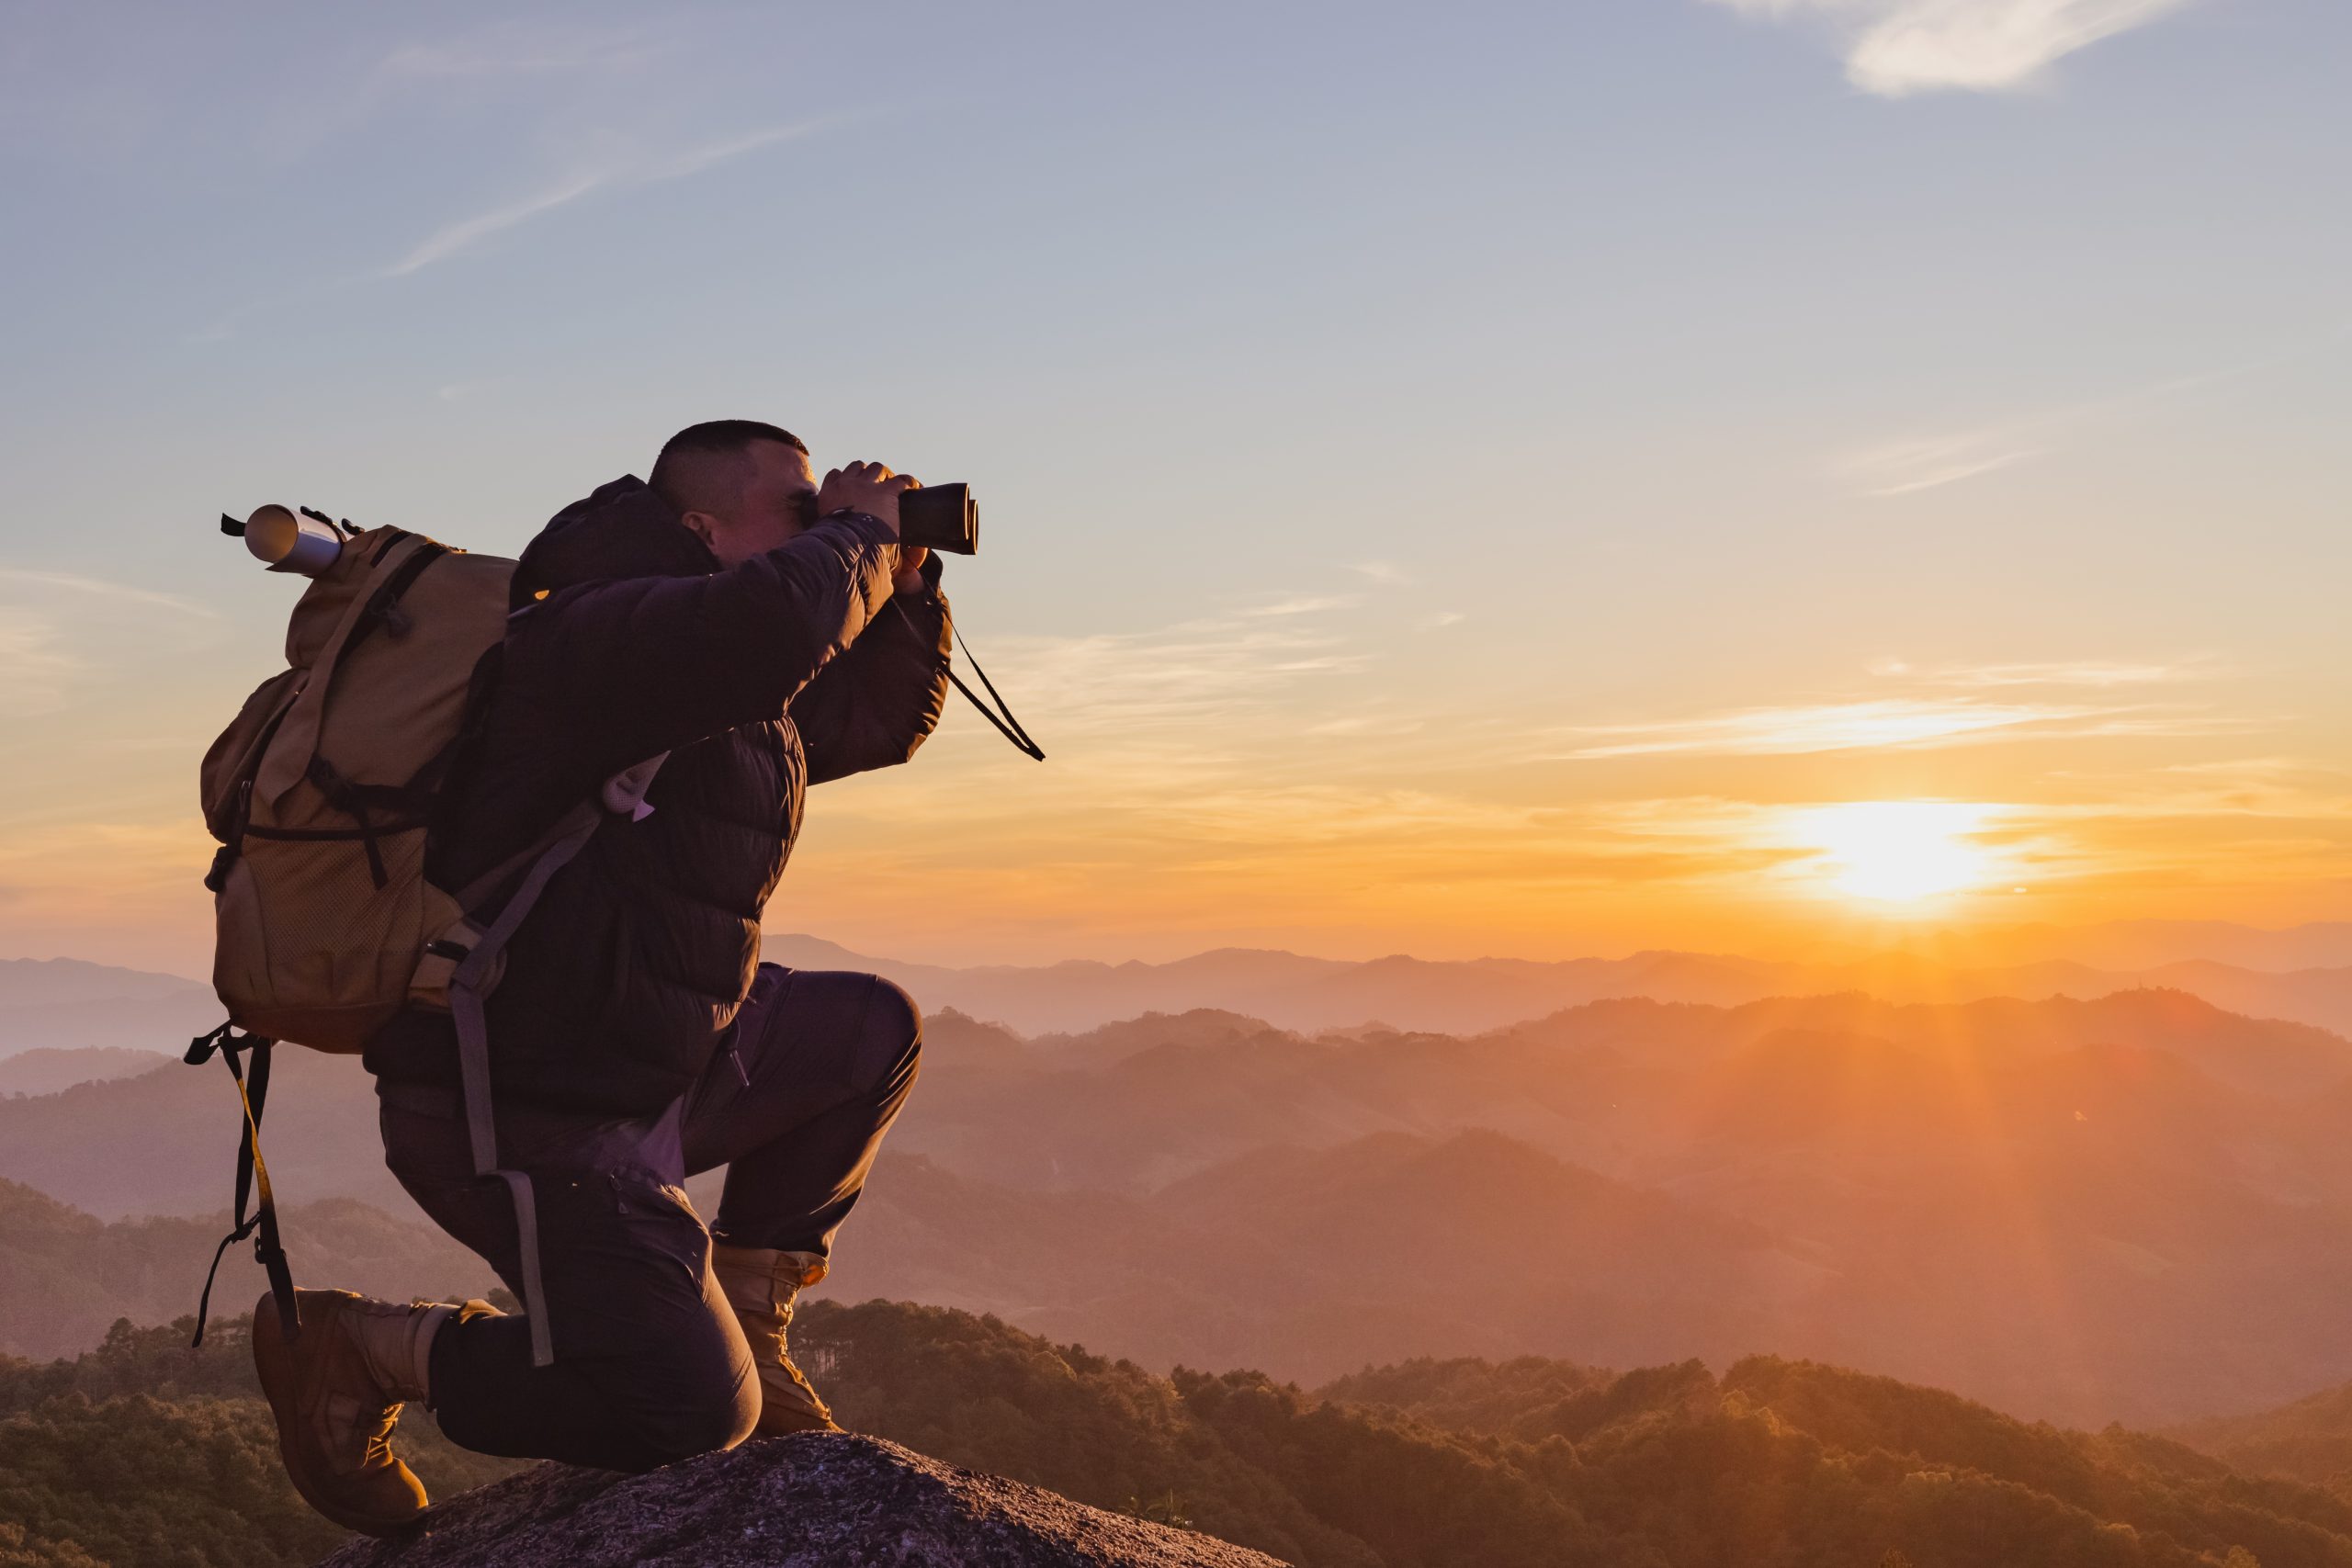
<point x="1459" y="489"/>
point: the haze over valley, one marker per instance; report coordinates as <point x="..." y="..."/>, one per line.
<point x="2120" y="1204"/>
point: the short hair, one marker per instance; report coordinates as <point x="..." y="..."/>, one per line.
<point x="701" y="468"/>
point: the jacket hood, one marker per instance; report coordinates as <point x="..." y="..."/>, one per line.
<point x="622" y="530"/>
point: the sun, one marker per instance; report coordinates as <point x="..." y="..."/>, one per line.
<point x="1899" y="851"/>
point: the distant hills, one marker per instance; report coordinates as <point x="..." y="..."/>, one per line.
<point x="2128" y="1208"/>
<point x="63" y="1003"/>
<point x="2051" y="1206"/>
<point x="46" y="1069"/>
<point x="66" y="1277"/>
<point x="2302" y="974"/>
<point x="1467" y="997"/>
<point x="2309" y="1440"/>
<point x="165" y="1142"/>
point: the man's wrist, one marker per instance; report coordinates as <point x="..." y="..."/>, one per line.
<point x="923" y="580"/>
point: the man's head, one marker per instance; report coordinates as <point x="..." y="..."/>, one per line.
<point x="743" y="487"/>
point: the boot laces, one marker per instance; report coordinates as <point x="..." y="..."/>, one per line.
<point x="376" y="1444"/>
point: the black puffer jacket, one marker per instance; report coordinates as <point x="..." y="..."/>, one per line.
<point x="628" y="641"/>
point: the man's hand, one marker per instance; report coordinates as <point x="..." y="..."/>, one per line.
<point x="873" y="489"/>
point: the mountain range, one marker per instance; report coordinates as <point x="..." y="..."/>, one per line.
<point x="63" y="1003"/>
<point x="1464" y="997"/>
<point x="2302" y="973"/>
<point x="2127" y="1208"/>
<point x="65" y="1276"/>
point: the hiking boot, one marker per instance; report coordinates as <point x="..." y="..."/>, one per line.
<point x="336" y="1389"/>
<point x="761" y="1284"/>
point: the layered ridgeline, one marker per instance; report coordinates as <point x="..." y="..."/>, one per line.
<point x="65" y="1004"/>
<point x="2302" y="974"/>
<point x="2310" y="1440"/>
<point x="67" y="1277"/>
<point x="140" y="1456"/>
<point x="2124" y="1208"/>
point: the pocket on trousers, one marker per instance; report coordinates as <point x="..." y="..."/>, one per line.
<point x="623" y="1256"/>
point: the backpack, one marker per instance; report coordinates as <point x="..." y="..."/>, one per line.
<point x="321" y="793"/>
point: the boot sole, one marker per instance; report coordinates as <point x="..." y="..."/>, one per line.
<point x="275" y="1365"/>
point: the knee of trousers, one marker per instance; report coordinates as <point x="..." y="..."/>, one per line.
<point x="681" y="1411"/>
<point x="889" y="1044"/>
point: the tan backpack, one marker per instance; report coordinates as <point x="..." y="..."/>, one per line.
<point x="321" y="792"/>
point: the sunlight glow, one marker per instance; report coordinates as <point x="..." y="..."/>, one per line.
<point x="1899" y="850"/>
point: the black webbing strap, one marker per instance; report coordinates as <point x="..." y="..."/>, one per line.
<point x="253" y="1180"/>
<point x="1008" y="725"/>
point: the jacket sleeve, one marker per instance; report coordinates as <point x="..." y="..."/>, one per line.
<point x="873" y="706"/>
<point x="624" y="671"/>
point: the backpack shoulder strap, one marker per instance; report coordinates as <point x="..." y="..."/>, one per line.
<point x="466" y="988"/>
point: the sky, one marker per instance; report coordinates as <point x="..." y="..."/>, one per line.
<point x="1545" y="481"/>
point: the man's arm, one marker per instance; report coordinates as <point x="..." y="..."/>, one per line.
<point x="875" y="705"/>
<point x="621" y="671"/>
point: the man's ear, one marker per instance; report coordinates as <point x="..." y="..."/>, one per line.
<point x="704" y="526"/>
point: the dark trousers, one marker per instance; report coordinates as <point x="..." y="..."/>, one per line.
<point x="650" y="1366"/>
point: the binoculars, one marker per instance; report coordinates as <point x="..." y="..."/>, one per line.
<point x="940" y="517"/>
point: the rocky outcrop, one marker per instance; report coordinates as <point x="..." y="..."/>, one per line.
<point x="813" y="1501"/>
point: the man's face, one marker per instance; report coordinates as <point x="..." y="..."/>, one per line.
<point x="776" y="502"/>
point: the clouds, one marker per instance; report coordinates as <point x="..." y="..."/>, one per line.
<point x="34" y="668"/>
<point x="1924" y="462"/>
<point x="60" y="631"/>
<point x="1895" y="48"/>
<point x="512" y="50"/>
<point x="1906" y="468"/>
<point x="47" y="585"/>
<point x="463" y="235"/>
<point x="1945" y="707"/>
<point x="2091" y="672"/>
<point x="1825" y="727"/>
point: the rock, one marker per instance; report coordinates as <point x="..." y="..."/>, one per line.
<point x="817" y="1500"/>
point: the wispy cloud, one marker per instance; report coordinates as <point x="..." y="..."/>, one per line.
<point x="1823" y="727"/>
<point x="1300" y="604"/>
<point x="1906" y="468"/>
<point x="454" y="238"/>
<point x="1171" y="685"/>
<point x="520" y="51"/>
<point x="1881" y="723"/>
<point x="447" y="241"/>
<point x="1917" y="463"/>
<point x="71" y="582"/>
<point x="1895" y="48"/>
<point x="62" y="633"/>
<point x="2092" y="673"/>
<point x="34" y="670"/>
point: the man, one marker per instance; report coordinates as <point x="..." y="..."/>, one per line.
<point x="751" y="633"/>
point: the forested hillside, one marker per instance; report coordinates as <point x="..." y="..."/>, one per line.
<point x="139" y="1455"/>
<point x="2310" y="1440"/>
